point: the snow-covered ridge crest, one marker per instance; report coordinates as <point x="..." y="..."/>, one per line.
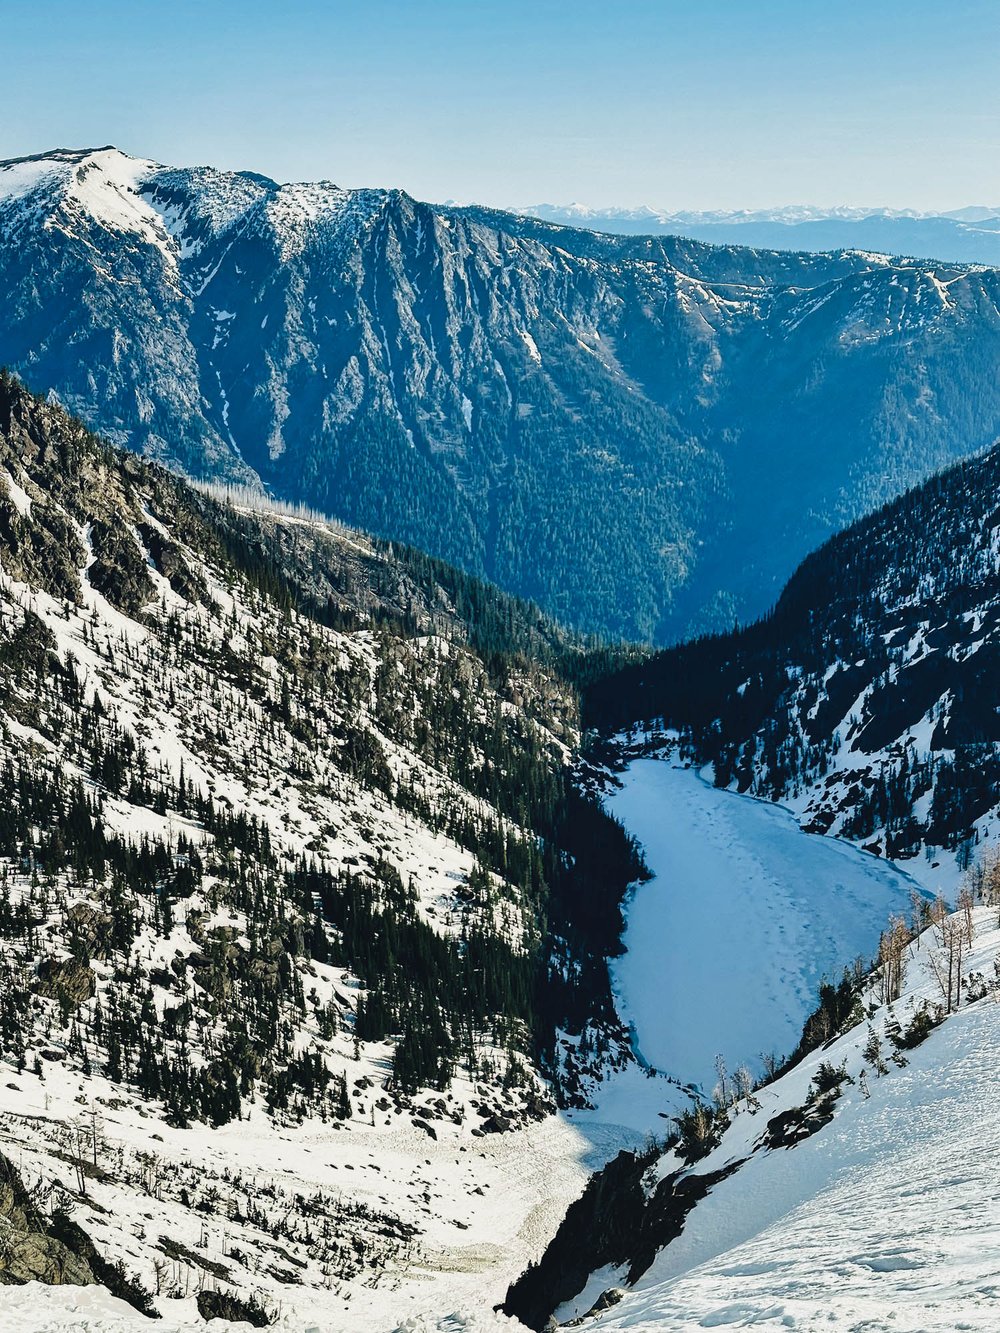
<point x="175" y="210"/>
<point x="103" y="184"/>
<point x="373" y="337"/>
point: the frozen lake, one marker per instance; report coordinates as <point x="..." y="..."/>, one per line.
<point x="746" y="914"/>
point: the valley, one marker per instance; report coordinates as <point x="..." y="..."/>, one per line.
<point x="499" y="705"/>
<point x="469" y="1214"/>
<point x="334" y="997"/>
<point x="392" y="937"/>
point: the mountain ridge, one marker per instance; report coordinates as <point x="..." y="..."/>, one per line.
<point x="963" y="235"/>
<point x="591" y="422"/>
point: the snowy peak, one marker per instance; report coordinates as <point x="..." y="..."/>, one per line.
<point x="101" y="185"/>
<point x="178" y="211"/>
<point x="198" y="205"/>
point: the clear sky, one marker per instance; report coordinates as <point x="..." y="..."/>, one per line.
<point x="674" y="103"/>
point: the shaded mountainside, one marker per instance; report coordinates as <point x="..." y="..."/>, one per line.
<point x="640" y="434"/>
<point x="869" y="698"/>
<point x="287" y="836"/>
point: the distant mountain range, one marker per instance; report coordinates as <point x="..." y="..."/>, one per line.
<point x="964" y="235"/>
<point x="641" y="434"/>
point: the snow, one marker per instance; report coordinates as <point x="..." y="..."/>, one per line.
<point x="727" y="945"/>
<point x="174" y="211"/>
<point x="885" y="1219"/>
<point x="107" y="183"/>
<point x="725" y="948"/>
<point x="44" y="1309"/>
<point x="789" y="214"/>
<point x="18" y="179"/>
<point x="103" y="186"/>
<point x="295" y="210"/>
<point x="531" y="345"/>
<point x="482" y="1205"/>
<point x="20" y="498"/>
<point x="631" y="1105"/>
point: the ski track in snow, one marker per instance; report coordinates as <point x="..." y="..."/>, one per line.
<point x="746" y="915"/>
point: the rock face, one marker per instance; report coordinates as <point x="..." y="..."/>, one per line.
<point x="641" y="434"/>
<point x="622" y="1219"/>
<point x="66" y="978"/>
<point x="52" y="1248"/>
<point x="30" y="1251"/>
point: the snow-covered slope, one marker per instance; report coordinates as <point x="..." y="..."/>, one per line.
<point x="281" y="810"/>
<point x="883" y="1219"/>
<point x="854" y="1192"/>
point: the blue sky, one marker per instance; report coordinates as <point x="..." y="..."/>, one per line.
<point x="703" y="104"/>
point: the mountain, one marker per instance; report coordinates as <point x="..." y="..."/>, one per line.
<point x="299" y="908"/>
<point x="965" y="235"/>
<point x="867" y="700"/>
<point x="641" y="435"/>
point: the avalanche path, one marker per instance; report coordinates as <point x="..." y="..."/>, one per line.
<point x="727" y="944"/>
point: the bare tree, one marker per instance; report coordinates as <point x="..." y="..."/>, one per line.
<point x="892" y="957"/>
<point x="720" y="1093"/>
<point x="79" y="1137"/>
<point x="937" y="911"/>
<point x="769" y="1062"/>
<point x="947" y="961"/>
<point x="160" y="1271"/>
<point x="965" y="903"/>
<point x="918" y="913"/>
<point x="745" y="1088"/>
<point x="988" y="877"/>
